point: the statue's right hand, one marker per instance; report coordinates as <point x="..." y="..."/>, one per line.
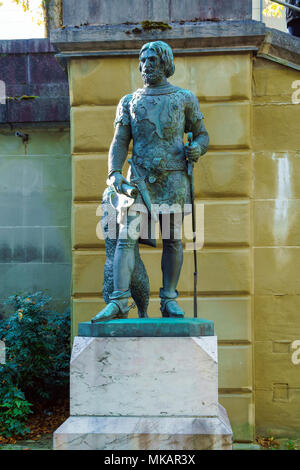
<point x="116" y="180"/>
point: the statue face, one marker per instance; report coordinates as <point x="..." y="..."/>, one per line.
<point x="151" y="67"/>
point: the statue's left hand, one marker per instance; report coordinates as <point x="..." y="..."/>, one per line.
<point x="192" y="152"/>
<point x="117" y="180"/>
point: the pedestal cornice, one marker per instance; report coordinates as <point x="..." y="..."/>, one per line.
<point x="189" y="38"/>
<point x="124" y="38"/>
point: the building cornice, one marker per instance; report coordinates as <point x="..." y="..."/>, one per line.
<point x="196" y="38"/>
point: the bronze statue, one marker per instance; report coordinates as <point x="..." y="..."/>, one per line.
<point x="155" y="118"/>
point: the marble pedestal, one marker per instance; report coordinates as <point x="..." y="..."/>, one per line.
<point x="144" y="392"/>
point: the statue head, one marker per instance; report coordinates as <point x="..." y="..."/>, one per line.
<point x="156" y="62"/>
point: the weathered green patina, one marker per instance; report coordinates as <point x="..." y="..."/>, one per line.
<point x="155" y="118"/>
<point x="151" y="327"/>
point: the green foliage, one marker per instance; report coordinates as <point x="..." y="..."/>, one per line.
<point x="14" y="408"/>
<point x="290" y="445"/>
<point x="37" y="347"/>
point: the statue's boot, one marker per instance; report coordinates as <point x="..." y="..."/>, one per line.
<point x="168" y="305"/>
<point x="116" y="308"/>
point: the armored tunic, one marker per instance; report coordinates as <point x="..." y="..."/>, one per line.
<point x="158" y="118"/>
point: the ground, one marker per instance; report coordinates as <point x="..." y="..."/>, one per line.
<point x="42" y="424"/>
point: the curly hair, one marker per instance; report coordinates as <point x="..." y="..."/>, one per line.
<point x="165" y="53"/>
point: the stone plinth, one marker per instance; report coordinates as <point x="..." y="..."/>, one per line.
<point x="144" y="392"/>
<point x="153" y="327"/>
<point x="155" y="433"/>
<point x="116" y="11"/>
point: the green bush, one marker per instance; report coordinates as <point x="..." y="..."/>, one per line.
<point x="14" y="408"/>
<point x="37" y="356"/>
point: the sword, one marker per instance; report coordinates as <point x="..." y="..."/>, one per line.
<point x="140" y="183"/>
<point x="190" y="172"/>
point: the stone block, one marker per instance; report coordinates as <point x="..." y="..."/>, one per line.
<point x="232" y="76"/>
<point x="83" y="309"/>
<point x="57" y="173"/>
<point x="225" y="223"/>
<point x="57" y="245"/>
<point x="98" y="81"/>
<point x="10" y="210"/>
<point x="92" y="128"/>
<point x="276" y="175"/>
<point x="14" y="69"/>
<point x="53" y="142"/>
<point x="272" y="82"/>
<point x="276" y="270"/>
<point x="21" y="176"/>
<point x="87" y="272"/>
<point x="44" y="68"/>
<point x="275" y="127"/>
<point x="27" y="245"/>
<point x="277" y="222"/>
<point x="217" y="174"/>
<point x="10" y="145"/>
<point x="90" y="175"/>
<point x="228" y="124"/>
<point x="40" y="109"/>
<point x="6" y="244"/>
<point x="226" y="174"/>
<point x="85" y="220"/>
<point x="114" y="12"/>
<point x="154" y="433"/>
<point x="226" y="271"/>
<point x="148" y="371"/>
<point x="276" y="317"/>
<point x="235" y="367"/>
<point x="281" y="418"/>
<point x="21" y="245"/>
<point x="31" y="277"/>
<point x="231" y="315"/>
<point x="274" y="365"/>
<point x="46" y="209"/>
<point x="241" y="413"/>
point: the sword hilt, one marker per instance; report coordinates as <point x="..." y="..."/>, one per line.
<point x="190" y="164"/>
<point x="190" y="138"/>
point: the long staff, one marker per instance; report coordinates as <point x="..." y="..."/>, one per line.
<point x="190" y="168"/>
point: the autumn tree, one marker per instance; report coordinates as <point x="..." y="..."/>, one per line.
<point x="273" y="9"/>
<point x="51" y="13"/>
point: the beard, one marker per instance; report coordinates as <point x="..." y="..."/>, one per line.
<point x="153" y="76"/>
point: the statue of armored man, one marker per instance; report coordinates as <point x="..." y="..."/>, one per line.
<point x="155" y="117"/>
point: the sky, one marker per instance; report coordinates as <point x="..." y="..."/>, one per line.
<point x="17" y="24"/>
